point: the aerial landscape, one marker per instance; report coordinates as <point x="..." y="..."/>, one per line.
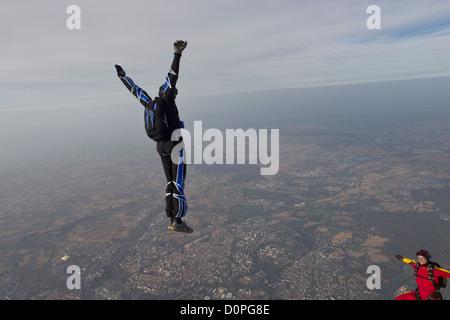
<point x="317" y="143"/>
<point x="351" y="191"/>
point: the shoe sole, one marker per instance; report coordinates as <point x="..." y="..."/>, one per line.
<point x="178" y="230"/>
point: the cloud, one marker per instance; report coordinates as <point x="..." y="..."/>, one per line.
<point x="234" y="46"/>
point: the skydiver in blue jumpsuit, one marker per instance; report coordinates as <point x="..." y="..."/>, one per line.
<point x="160" y="129"/>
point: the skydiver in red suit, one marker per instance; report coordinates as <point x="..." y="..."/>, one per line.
<point x="427" y="275"/>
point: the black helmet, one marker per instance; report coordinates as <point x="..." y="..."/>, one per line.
<point x="162" y="90"/>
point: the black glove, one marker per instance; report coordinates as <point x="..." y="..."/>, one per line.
<point x="179" y="46"/>
<point x="120" y="71"/>
<point x="399" y="257"/>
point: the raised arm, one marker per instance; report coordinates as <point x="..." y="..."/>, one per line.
<point x="168" y="89"/>
<point x="140" y="94"/>
<point x="406" y="260"/>
<point x="439" y="272"/>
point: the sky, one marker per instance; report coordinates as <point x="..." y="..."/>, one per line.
<point x="59" y="93"/>
<point x="233" y="46"/>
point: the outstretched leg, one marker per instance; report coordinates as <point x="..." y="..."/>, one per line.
<point x="179" y="199"/>
<point x="175" y="171"/>
<point x="179" y="174"/>
<point x="410" y="295"/>
<point x="164" y="148"/>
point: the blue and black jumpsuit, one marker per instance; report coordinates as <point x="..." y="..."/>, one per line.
<point x="174" y="165"/>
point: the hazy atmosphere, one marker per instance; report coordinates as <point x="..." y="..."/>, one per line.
<point x="250" y="47"/>
<point x="363" y="117"/>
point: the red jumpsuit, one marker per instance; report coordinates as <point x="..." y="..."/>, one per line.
<point x="425" y="285"/>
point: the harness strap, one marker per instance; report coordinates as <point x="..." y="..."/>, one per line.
<point x="430" y="275"/>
